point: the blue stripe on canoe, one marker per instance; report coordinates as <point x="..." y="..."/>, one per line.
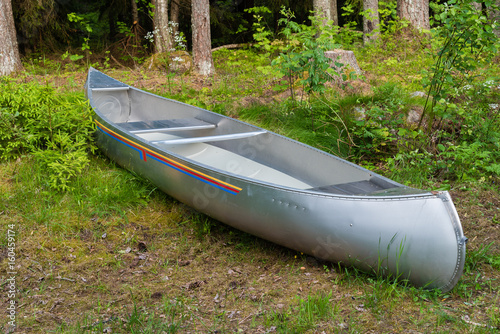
<point x="124" y="143"/>
<point x="192" y="175"/>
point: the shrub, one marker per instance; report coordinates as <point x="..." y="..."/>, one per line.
<point x="55" y="128"/>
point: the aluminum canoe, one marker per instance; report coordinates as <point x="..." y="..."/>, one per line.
<point x="280" y="189"/>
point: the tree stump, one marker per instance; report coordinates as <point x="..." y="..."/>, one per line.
<point x="348" y="61"/>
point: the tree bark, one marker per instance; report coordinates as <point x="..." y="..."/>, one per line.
<point x="10" y="61"/>
<point x="478" y="6"/>
<point x="174" y="15"/>
<point x="494" y="15"/>
<point x="370" y="21"/>
<point x="415" y="11"/>
<point x="322" y="9"/>
<point x="334" y="14"/>
<point x="202" y="51"/>
<point x="162" y="38"/>
<point x="135" y="12"/>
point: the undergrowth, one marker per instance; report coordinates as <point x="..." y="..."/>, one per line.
<point x="55" y="128"/>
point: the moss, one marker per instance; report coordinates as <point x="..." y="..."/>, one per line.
<point x="179" y="62"/>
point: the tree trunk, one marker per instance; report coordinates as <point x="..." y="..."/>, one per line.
<point x="322" y="9"/>
<point x="334" y="14"/>
<point x="478" y="6"/>
<point x="494" y="15"/>
<point x="370" y="21"/>
<point x="135" y="12"/>
<point x="10" y="61"/>
<point x="174" y="15"/>
<point x="415" y="11"/>
<point x="163" y="42"/>
<point x="202" y="51"/>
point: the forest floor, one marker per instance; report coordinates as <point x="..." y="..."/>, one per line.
<point x="160" y="267"/>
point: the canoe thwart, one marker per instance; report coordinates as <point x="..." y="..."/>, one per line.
<point x="110" y="89"/>
<point x="169" y="125"/>
<point x="208" y="138"/>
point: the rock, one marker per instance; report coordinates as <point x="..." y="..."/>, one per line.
<point x="418" y="94"/>
<point x="413" y="117"/>
<point x="176" y="61"/>
<point x="180" y="62"/>
<point x="359" y="113"/>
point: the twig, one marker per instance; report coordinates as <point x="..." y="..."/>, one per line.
<point x="251" y="315"/>
<point x="64" y="278"/>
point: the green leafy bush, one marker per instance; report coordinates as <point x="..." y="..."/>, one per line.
<point x="465" y="42"/>
<point x="304" y="52"/>
<point x="464" y="149"/>
<point x="56" y="128"/>
<point x="376" y="122"/>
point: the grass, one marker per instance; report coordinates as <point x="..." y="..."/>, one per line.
<point x="115" y="254"/>
<point x="199" y="275"/>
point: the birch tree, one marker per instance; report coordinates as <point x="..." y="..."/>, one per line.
<point x="10" y="61"/>
<point x="202" y="42"/>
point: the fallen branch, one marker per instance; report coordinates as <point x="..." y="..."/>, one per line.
<point x="233" y="46"/>
<point x="116" y="61"/>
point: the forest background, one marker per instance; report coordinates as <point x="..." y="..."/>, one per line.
<point x="100" y="250"/>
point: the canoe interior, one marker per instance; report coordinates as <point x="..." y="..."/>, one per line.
<point x="231" y="146"/>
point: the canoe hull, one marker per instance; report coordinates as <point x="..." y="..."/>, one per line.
<point x="418" y="237"/>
